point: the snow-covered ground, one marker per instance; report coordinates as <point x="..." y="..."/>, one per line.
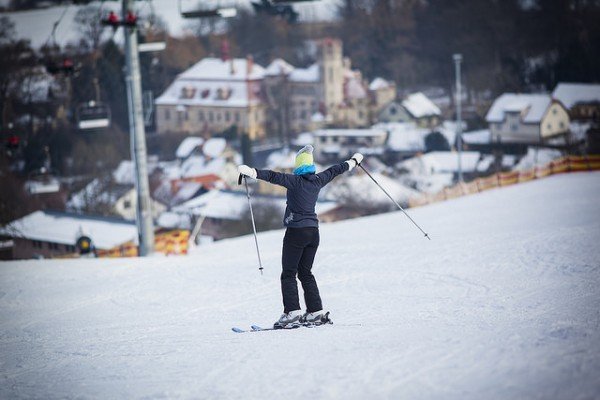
<point x="501" y="304"/>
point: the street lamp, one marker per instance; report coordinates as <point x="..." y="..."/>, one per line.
<point x="457" y="60"/>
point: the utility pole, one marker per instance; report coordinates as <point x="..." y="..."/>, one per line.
<point x="137" y="136"/>
<point x="457" y="60"/>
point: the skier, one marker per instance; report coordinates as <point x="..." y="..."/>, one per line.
<point x="302" y="234"/>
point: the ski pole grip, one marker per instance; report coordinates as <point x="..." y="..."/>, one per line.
<point x="240" y="179"/>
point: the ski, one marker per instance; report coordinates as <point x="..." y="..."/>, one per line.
<point x="257" y="328"/>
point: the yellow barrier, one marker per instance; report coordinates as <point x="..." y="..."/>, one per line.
<point x="558" y="166"/>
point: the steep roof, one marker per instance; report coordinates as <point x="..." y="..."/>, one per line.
<point x="572" y="93"/>
<point x="213" y="82"/>
<point x="418" y="105"/>
<point x="532" y="107"/>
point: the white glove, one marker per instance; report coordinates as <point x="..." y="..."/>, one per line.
<point x="246" y="170"/>
<point x="354" y="161"/>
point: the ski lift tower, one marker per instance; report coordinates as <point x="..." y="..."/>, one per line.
<point x="457" y="60"/>
<point x="137" y="133"/>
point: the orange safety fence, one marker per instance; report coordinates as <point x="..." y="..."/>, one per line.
<point x="558" y="166"/>
<point x="169" y="243"/>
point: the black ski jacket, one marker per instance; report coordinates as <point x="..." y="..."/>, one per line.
<point x="302" y="193"/>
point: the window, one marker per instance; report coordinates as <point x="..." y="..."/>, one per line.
<point x="127" y="204"/>
<point x="562" y="125"/>
<point x="549" y="126"/>
<point x="514" y="127"/>
<point x="200" y="115"/>
<point x="167" y="114"/>
<point x="186" y="115"/>
<point x="227" y="116"/>
<point x="210" y="116"/>
<point x="218" y="117"/>
<point x="554" y="111"/>
<point x="237" y="116"/>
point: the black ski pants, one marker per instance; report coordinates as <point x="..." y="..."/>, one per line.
<point x="299" y="249"/>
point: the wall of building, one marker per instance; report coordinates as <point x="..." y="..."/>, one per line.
<point x="555" y="121"/>
<point x="512" y="129"/>
<point x="197" y="120"/>
<point x="27" y="249"/>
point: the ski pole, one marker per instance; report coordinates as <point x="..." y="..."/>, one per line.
<point x="260" y="267"/>
<point x="395" y="202"/>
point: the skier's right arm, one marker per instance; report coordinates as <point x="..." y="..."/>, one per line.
<point x="277" y="178"/>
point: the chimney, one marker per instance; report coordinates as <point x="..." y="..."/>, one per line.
<point x="249" y="65"/>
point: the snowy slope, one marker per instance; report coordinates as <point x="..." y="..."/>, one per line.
<point x="501" y="304"/>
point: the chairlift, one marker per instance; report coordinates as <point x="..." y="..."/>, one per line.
<point x="220" y="12"/>
<point x="93" y="115"/>
<point x="285" y="11"/>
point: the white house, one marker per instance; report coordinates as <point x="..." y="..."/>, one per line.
<point x="527" y="118"/>
<point x="416" y="108"/>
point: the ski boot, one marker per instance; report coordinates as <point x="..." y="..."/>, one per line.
<point x="315" y="318"/>
<point x="289" y="320"/>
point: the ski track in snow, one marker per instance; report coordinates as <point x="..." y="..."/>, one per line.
<point x="503" y="303"/>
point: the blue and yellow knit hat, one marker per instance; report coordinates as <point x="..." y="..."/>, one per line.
<point x="304" y="161"/>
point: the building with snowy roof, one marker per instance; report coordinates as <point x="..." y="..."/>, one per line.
<point x="53" y="233"/>
<point x="416" y="107"/>
<point x="581" y="99"/>
<point x="527" y="118"/>
<point x="213" y="95"/>
<point x="333" y="145"/>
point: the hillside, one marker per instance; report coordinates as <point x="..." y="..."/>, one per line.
<point x="501" y="304"/>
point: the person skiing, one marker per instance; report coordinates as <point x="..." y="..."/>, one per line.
<point x="301" y="238"/>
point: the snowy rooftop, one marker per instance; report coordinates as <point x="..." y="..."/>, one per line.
<point x="350" y="132"/>
<point x="418" y="105"/>
<point x="65" y="228"/>
<point x="354" y="88"/>
<point x="569" y="94"/>
<point x="212" y="68"/>
<point x="125" y="172"/>
<point x="404" y="136"/>
<point x="482" y="136"/>
<point x="208" y="93"/>
<point x="532" y="107"/>
<point x="279" y="67"/>
<point x="379" y="83"/>
<point x="187" y="146"/>
<point x="225" y="204"/>
<point x="310" y="74"/>
<point x="446" y="162"/>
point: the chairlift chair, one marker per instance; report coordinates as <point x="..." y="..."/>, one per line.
<point x="218" y="11"/>
<point x="93" y="115"/>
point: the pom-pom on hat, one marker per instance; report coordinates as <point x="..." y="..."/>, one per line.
<point x="304" y="161"/>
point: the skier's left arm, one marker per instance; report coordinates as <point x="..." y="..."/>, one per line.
<point x="331" y="172"/>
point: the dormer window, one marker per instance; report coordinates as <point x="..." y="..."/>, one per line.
<point x="205" y="93"/>
<point x="187" y="92"/>
<point x="223" y="93"/>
